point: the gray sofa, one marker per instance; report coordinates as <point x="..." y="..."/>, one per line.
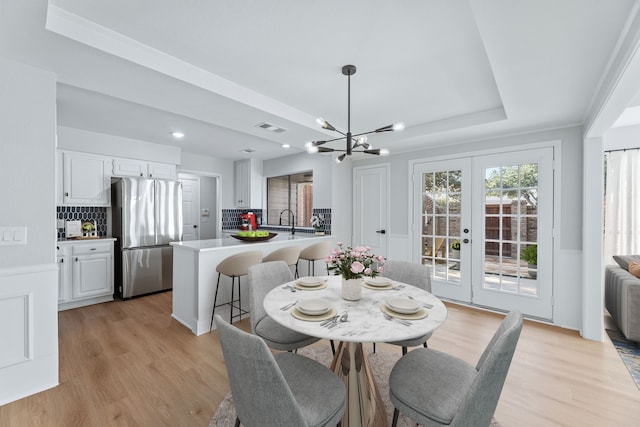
<point x="622" y="300"/>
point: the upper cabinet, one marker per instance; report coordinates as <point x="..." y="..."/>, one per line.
<point x="85" y="180"/>
<point x="248" y="183"/>
<point x="140" y="168"/>
<point x="242" y="170"/>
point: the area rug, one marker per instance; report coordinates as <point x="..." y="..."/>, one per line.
<point x="629" y="353"/>
<point x="381" y="363"/>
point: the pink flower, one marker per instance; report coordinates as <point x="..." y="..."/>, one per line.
<point x="368" y="271"/>
<point x="339" y="243"/>
<point x="380" y="270"/>
<point x="361" y="249"/>
<point x="328" y="259"/>
<point x="357" y="267"/>
<point x="380" y="258"/>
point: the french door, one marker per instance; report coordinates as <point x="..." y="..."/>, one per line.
<point x="498" y="210"/>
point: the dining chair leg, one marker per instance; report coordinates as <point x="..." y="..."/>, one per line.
<point x="296" y="275"/>
<point x="404" y="350"/>
<point x="424" y="344"/>
<point x="333" y="348"/>
<point x="215" y="300"/>
<point x="239" y="299"/>
<point x="396" y="412"/>
<point x="237" y="422"/>
<point x="374" y="347"/>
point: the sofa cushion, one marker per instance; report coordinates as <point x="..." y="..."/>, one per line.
<point x="623" y="260"/>
<point x="634" y="268"/>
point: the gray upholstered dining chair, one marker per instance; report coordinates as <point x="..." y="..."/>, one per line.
<point x="436" y="389"/>
<point x="417" y="275"/>
<point x="287" y="390"/>
<point x="263" y="278"/>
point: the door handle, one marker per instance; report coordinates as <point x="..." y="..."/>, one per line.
<point x="383" y="231"/>
<point x="195" y="226"/>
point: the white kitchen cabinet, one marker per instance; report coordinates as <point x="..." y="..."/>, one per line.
<point x="86" y="275"/>
<point x="85" y="179"/>
<point x="64" y="273"/>
<point x="242" y="183"/>
<point x="142" y="169"/>
<point x="248" y="183"/>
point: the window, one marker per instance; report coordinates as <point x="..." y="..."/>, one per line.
<point x="293" y="192"/>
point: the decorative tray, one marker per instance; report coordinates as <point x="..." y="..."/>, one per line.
<point x="254" y="239"/>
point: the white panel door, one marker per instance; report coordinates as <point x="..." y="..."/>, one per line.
<point x="190" y="209"/>
<point x="371" y="189"/>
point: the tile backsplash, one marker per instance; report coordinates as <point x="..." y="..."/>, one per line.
<point x="231" y="220"/>
<point x="83" y="213"/>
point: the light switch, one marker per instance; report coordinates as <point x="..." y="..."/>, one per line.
<point x="13" y="235"/>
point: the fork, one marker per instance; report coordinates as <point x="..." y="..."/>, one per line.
<point x="404" y="322"/>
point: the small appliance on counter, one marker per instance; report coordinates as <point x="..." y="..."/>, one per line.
<point x="73" y="228"/>
<point x="248" y="221"/>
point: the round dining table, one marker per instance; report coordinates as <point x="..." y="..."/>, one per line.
<point x="365" y="322"/>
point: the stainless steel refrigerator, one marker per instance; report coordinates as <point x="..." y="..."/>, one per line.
<point x="147" y="215"/>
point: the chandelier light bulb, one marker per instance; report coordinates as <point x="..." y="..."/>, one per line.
<point x="340" y="158"/>
<point x="384" y="152"/>
<point x="312" y="149"/>
<point x="398" y="127"/>
<point x="321" y="121"/>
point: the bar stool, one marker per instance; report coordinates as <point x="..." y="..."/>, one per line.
<point x="235" y="266"/>
<point x="313" y="253"/>
<point x="288" y="254"/>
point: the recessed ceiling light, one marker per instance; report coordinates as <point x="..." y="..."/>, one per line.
<point x="177" y="134"/>
<point x="285" y="146"/>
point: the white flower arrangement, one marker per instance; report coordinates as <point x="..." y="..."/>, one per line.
<point x="317" y="221"/>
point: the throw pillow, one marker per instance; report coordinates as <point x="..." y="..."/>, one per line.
<point x="623" y="260"/>
<point x="634" y="268"/>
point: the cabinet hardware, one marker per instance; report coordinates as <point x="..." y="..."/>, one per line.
<point x="383" y="231"/>
<point x="150" y="175"/>
<point x="66" y="194"/>
<point x="92" y="249"/>
<point x="76" y="259"/>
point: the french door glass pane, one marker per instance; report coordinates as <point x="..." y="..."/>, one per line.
<point x="441" y="213"/>
<point x="511" y="225"/>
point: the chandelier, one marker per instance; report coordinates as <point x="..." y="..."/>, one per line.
<point x="353" y="141"/>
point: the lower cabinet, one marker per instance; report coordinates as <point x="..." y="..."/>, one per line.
<point x="86" y="273"/>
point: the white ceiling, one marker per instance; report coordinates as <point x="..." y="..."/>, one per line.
<point x="452" y="71"/>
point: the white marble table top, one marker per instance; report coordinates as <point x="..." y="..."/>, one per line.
<point x="366" y="322"/>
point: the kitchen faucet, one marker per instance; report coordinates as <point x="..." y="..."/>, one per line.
<point x="293" y="221"/>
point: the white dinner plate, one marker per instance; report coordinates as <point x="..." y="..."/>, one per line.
<point x="378" y="281"/>
<point x="403" y="305"/>
<point x="310" y="281"/>
<point x="313" y="306"/>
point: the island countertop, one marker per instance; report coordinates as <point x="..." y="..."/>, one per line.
<point x="226" y="242"/>
<point x="195" y="279"/>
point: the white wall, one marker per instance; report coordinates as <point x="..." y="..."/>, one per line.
<point x="623" y="137"/>
<point x="198" y="163"/>
<point x="116" y="146"/>
<point x="568" y="289"/>
<point x="28" y="273"/>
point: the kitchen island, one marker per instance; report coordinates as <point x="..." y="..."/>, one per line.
<point x="195" y="276"/>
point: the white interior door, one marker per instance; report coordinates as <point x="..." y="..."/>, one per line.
<point x="190" y="209"/>
<point x="443" y="224"/>
<point x="371" y="189"/>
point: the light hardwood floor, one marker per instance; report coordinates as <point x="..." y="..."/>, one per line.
<point x="130" y="364"/>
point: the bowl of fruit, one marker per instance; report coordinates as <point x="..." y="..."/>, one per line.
<point x="254" y="235"/>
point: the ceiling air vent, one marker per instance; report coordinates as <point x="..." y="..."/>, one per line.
<point x="248" y="150"/>
<point x="271" y="127"/>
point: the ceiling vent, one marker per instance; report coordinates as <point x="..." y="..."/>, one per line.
<point x="248" y="150"/>
<point x="271" y="127"/>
